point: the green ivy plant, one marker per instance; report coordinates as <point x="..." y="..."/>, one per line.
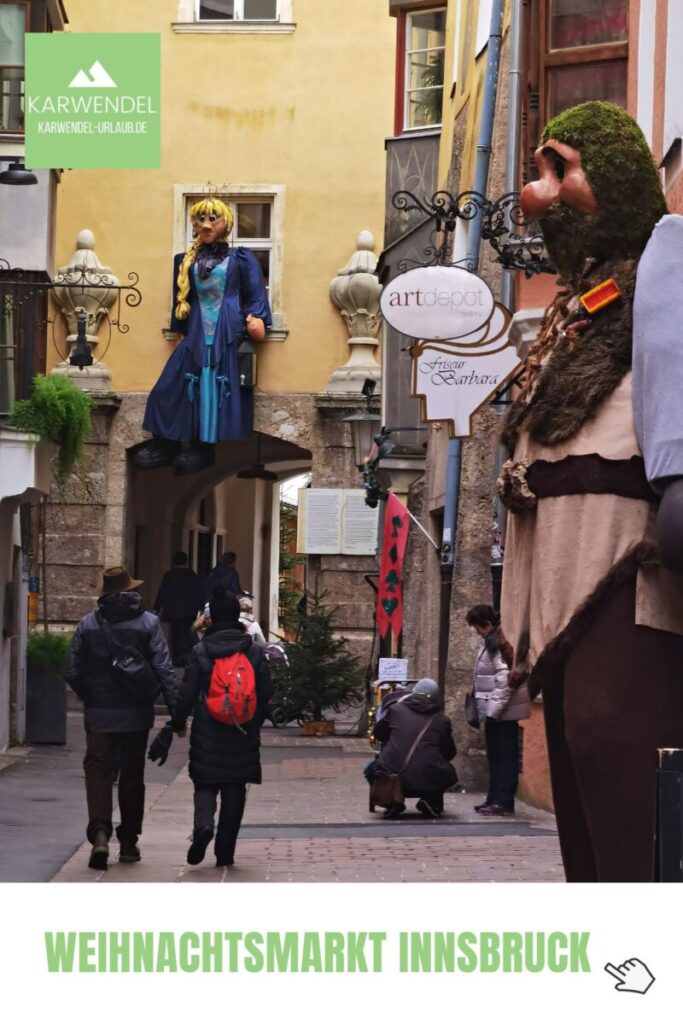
<point x="60" y="412"/>
<point x="48" y="651"/>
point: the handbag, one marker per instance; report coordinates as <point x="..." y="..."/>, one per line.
<point x="130" y="666"/>
<point x="386" y="789"/>
<point x="471" y="710"/>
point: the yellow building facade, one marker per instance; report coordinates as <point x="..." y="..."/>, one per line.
<point x="285" y="119"/>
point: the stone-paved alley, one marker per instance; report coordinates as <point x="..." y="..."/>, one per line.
<point x="308" y="822"/>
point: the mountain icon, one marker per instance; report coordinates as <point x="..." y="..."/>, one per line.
<point x="96" y="78"/>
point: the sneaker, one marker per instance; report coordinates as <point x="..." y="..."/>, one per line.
<point x="129" y="852"/>
<point x="394" y="811"/>
<point x="496" y="811"/>
<point x="100" y="852"/>
<point x="426" y="809"/>
<point x="201" y="838"/>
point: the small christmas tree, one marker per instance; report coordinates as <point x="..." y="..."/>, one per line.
<point x="321" y="674"/>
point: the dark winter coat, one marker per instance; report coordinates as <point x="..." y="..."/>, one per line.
<point x="429" y="770"/>
<point x="180" y="595"/>
<point x="109" y="704"/>
<point x="221" y="753"/>
<point x="225" y="575"/>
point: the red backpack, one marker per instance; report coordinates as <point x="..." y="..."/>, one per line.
<point x="232" y="690"/>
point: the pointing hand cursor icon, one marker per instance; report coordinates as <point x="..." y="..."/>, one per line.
<point x="631" y="976"/>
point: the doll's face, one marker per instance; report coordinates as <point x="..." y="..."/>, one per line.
<point x="209" y="228"/>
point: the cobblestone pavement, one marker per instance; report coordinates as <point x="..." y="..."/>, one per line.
<point x="309" y="822"/>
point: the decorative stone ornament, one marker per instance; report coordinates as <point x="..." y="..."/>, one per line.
<point x="85" y="284"/>
<point x="355" y="291"/>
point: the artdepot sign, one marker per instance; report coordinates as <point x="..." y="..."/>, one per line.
<point x="461" y="355"/>
<point x="437" y="302"/>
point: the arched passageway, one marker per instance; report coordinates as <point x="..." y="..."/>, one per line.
<point x="214" y="511"/>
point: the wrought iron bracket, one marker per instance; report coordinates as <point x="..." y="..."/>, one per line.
<point x="22" y="288"/>
<point x="502" y="226"/>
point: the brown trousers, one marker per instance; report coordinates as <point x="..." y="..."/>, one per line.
<point x="618" y="698"/>
<point x="107" y="753"/>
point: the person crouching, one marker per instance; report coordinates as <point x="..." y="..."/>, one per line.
<point x="227" y="686"/>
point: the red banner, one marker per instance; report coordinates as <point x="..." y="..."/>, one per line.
<point x="390" y="593"/>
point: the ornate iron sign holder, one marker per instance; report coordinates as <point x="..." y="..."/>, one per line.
<point x="18" y="287"/>
<point x="502" y="226"/>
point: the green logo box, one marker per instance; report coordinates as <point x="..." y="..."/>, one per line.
<point x="93" y="99"/>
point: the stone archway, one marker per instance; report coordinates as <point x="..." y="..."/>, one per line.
<point x="214" y="511"/>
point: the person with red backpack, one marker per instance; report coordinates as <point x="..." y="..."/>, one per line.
<point x="227" y="688"/>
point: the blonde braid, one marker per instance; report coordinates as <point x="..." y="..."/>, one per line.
<point x="182" y="309"/>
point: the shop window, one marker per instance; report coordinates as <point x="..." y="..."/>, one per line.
<point x="13" y="27"/>
<point x="425" y="44"/>
<point x="578" y="51"/>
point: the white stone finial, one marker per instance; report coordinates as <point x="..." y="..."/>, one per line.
<point x="85" y="240"/>
<point x="84" y="283"/>
<point x="355" y="291"/>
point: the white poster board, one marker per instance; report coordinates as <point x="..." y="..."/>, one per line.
<point x="336" y="521"/>
<point x="393" y="670"/>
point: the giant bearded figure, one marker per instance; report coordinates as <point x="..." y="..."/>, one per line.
<point x="592" y="596"/>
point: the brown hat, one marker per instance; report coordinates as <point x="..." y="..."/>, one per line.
<point x="116" y="580"/>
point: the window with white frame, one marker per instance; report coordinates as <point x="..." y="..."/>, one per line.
<point x="238" y="10"/>
<point x="424" y="68"/>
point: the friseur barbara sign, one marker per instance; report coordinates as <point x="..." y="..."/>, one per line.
<point x="437" y="303"/>
<point x="461" y="353"/>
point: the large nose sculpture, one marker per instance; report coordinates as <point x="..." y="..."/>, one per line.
<point x="537" y="196"/>
<point x="562" y="179"/>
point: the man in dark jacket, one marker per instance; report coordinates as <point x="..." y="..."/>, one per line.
<point x="178" y="602"/>
<point x="117" y="723"/>
<point x="223" y="758"/>
<point x="225" y="575"/>
<point x="429" y="772"/>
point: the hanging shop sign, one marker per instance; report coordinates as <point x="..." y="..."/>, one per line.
<point x="436" y="303"/>
<point x="452" y="383"/>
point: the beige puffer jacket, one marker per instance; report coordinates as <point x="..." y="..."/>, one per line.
<point x="494" y="696"/>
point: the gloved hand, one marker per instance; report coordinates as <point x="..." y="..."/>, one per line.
<point x="161" y="744"/>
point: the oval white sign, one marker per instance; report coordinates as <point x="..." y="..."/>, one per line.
<point x="437" y="302"/>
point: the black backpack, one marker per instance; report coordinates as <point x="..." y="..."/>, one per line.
<point x="130" y="666"/>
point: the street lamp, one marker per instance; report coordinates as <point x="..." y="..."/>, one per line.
<point x="364" y="425"/>
<point x="17" y="174"/>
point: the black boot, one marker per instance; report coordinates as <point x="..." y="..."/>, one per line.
<point x="201" y="837"/>
<point x="155" y="454"/>
<point x="100" y="852"/>
<point x="192" y="460"/>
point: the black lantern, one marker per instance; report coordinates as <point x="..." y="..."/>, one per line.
<point x="82" y="353"/>
<point x="17" y="174"/>
<point x="246" y="363"/>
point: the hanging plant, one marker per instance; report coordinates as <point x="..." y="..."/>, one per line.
<point x="60" y="412"/>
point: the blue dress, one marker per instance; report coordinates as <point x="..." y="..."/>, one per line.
<point x="198" y="396"/>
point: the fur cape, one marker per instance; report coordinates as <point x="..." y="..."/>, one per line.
<point x="583" y="368"/>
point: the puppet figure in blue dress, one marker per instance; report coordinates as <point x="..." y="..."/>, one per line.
<point x="221" y="300"/>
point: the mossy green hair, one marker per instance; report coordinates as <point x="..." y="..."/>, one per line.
<point x="620" y="169"/>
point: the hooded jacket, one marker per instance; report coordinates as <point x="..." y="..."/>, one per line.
<point x="109" y="704"/>
<point x="222" y="753"/>
<point x="492" y="691"/>
<point x="429" y="769"/>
